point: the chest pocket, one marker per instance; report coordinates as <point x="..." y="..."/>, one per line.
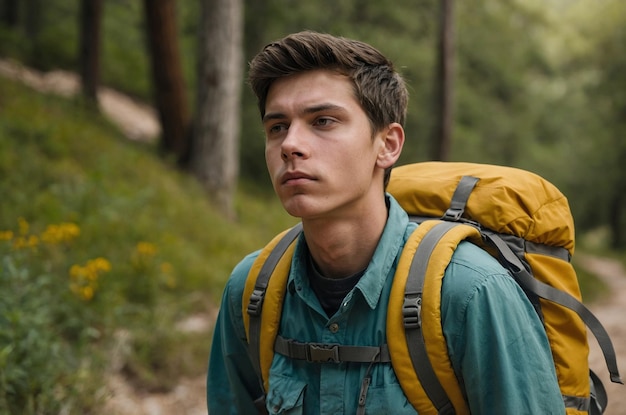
<point x="286" y="396"/>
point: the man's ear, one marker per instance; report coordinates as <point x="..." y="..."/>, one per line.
<point x="391" y="146"/>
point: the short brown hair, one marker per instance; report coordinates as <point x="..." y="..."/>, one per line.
<point x="378" y="88"/>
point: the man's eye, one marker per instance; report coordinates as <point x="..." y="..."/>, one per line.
<point x="276" y="128"/>
<point x="323" y="122"/>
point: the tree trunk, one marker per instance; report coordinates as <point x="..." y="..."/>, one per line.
<point x="89" y="53"/>
<point x="215" y="154"/>
<point x="444" y="107"/>
<point x="168" y="84"/>
<point x="32" y="21"/>
<point x="10" y="13"/>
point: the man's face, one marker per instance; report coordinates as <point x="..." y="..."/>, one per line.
<point x="319" y="148"/>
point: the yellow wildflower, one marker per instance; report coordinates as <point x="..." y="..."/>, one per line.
<point x="84" y="279"/>
<point x="63" y="232"/>
<point x="87" y="292"/>
<point x="101" y="264"/>
<point x="146" y="249"/>
<point x="84" y="292"/>
<point x="83" y="274"/>
<point x="142" y="256"/>
<point x="168" y="273"/>
<point x="23" y="226"/>
<point x="6" y="235"/>
<point x="76" y="272"/>
<point x="19" y="242"/>
<point x="26" y="241"/>
<point x="166" y="268"/>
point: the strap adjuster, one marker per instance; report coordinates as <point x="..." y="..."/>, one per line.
<point x="453" y="214"/>
<point x="412" y="312"/>
<point x="256" y="300"/>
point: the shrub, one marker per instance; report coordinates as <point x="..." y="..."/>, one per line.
<point x="46" y="327"/>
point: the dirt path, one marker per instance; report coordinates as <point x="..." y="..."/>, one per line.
<point x="136" y="120"/>
<point x="139" y="122"/>
<point x="611" y="311"/>
<point x="187" y="398"/>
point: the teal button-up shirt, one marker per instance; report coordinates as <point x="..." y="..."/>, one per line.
<point x="496" y="342"/>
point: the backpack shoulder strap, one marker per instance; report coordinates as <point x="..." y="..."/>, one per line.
<point x="273" y="261"/>
<point x="426" y="375"/>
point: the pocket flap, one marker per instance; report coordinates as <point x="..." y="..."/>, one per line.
<point x="285" y="394"/>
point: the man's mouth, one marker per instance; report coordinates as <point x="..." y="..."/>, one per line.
<point x="296" y="177"/>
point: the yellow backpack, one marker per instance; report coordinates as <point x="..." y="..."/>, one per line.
<point x="518" y="217"/>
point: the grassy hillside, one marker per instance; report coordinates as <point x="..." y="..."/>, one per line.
<point x="99" y="236"/>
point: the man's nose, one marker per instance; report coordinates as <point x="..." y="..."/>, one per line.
<point x="294" y="144"/>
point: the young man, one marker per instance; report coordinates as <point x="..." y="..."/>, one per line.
<point x="333" y="111"/>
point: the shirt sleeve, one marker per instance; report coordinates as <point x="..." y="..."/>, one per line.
<point x="232" y="384"/>
<point x="496" y="340"/>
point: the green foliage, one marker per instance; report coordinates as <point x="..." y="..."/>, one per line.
<point x="49" y="361"/>
<point x="538" y="83"/>
<point x="39" y="371"/>
<point x="500" y="52"/>
<point x="589" y="100"/>
<point x="124" y="58"/>
<point x="44" y="37"/>
<point x="98" y="236"/>
<point x="591" y="287"/>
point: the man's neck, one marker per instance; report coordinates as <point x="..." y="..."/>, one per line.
<point x="343" y="247"/>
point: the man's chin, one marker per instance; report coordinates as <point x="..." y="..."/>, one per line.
<point x="298" y="206"/>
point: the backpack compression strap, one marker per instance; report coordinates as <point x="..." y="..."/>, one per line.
<point x="275" y="256"/>
<point x="527" y="281"/>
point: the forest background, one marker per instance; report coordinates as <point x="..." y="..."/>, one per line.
<point x="110" y="247"/>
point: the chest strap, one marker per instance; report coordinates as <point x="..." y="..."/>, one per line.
<point x="331" y="353"/>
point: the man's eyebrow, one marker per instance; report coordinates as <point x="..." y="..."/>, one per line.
<point x="308" y="110"/>
<point x="273" y="116"/>
<point x="323" y="107"/>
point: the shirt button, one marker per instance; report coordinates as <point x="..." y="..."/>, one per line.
<point x="334" y="328"/>
<point x="276" y="406"/>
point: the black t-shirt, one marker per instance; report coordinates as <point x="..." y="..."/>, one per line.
<point x="330" y="291"/>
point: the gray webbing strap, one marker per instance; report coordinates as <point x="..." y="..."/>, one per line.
<point x="553" y="251"/>
<point x="528" y="282"/>
<point x="598" y="396"/>
<point x="578" y="403"/>
<point x="256" y="299"/>
<point x="459" y="198"/>
<point x="331" y="353"/>
<point x="528" y="246"/>
<point x="411" y="310"/>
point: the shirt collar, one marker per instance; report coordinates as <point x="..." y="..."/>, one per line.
<point x="391" y="241"/>
<point x="373" y="280"/>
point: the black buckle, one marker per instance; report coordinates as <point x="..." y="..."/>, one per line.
<point x="256" y="301"/>
<point x="412" y="312"/>
<point x="322" y="353"/>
